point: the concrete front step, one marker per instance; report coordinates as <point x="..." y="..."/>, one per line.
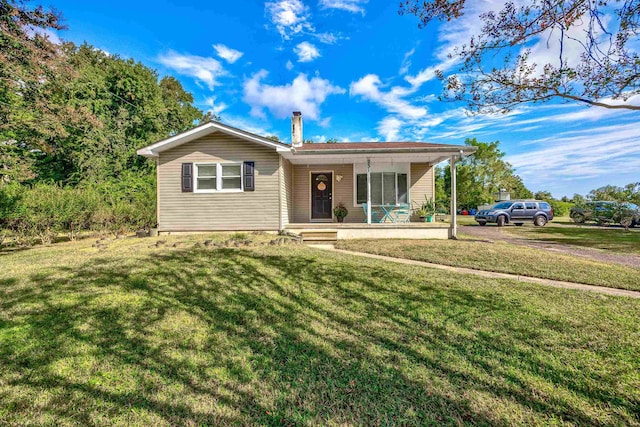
<point x="319" y="235"/>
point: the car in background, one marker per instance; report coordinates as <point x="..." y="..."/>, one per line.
<point x="606" y="212"/>
<point x="516" y="212"/>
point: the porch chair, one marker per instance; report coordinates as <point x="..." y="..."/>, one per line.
<point x="403" y="212"/>
<point x="376" y="215"/>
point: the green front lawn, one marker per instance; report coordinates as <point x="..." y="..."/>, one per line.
<point x="503" y="257"/>
<point x="610" y="239"/>
<point x="287" y="335"/>
<point x="465" y="220"/>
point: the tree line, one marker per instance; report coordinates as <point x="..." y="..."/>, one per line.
<point x="480" y="177"/>
<point x="71" y="119"/>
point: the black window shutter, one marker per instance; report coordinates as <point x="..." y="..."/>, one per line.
<point x="249" y="176"/>
<point x="187" y="177"/>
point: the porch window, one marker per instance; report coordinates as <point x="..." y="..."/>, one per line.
<point x="386" y="188"/>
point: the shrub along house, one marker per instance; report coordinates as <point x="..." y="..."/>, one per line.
<point x="219" y="178"/>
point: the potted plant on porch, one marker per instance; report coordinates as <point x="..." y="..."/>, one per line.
<point x="427" y="210"/>
<point x="340" y="212"/>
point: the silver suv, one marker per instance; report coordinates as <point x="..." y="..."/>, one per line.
<point x="517" y="212"/>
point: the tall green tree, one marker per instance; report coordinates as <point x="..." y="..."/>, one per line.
<point x="543" y="195"/>
<point x="74" y="113"/>
<point x="480" y="177"/>
<point x="31" y="74"/>
<point x="125" y="105"/>
<point x="628" y="193"/>
<point x="560" y="207"/>
<point x="180" y="114"/>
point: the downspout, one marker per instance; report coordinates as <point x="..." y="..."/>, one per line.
<point x="369" y="191"/>
<point x="454" y="211"/>
<point x="158" y="192"/>
<point x="280" y="189"/>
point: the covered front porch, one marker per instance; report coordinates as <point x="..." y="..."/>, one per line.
<point x="366" y="179"/>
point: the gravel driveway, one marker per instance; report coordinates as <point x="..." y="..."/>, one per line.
<point x="499" y="234"/>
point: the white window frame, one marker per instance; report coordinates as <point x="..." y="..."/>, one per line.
<point x="231" y="190"/>
<point x="397" y="168"/>
<point x="218" y="188"/>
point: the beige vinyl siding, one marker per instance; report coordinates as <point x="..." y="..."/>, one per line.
<point x="342" y="191"/>
<point x="249" y="210"/>
<point x="286" y="191"/>
<point x="422" y="183"/>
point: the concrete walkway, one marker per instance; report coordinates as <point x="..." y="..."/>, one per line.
<point x="494" y="275"/>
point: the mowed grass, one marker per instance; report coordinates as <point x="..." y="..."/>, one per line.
<point x="503" y="257"/>
<point x="288" y="335"/>
<point x="610" y="239"/>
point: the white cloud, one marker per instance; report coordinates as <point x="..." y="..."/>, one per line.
<point x="450" y="126"/>
<point x="53" y="37"/>
<point x="389" y="127"/>
<point x="290" y="17"/>
<point x="49" y="34"/>
<point x="526" y="129"/>
<point x="306" y="52"/>
<point x="249" y="125"/>
<point x="329" y="38"/>
<point x="228" y="54"/>
<point x="215" y="107"/>
<point x="293" y="18"/>
<point x="203" y="69"/>
<point x="429" y="73"/>
<point x="368" y="88"/>
<point x="406" y="61"/>
<point x="325" y="123"/>
<point x="289" y="65"/>
<point x="303" y="94"/>
<point x="353" y="6"/>
<point x="566" y="114"/>
<point x="104" y="52"/>
<point x="584" y="153"/>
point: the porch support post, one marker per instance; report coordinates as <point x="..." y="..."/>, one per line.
<point x="454" y="219"/>
<point x="369" y="191"/>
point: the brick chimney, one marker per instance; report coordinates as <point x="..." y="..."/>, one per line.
<point x="296" y="129"/>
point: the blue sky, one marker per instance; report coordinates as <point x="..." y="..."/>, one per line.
<point x="358" y="71"/>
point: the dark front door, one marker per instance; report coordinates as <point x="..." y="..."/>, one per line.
<point x="321" y="189"/>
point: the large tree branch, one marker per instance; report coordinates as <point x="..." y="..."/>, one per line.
<point x="598" y="60"/>
<point x="599" y="104"/>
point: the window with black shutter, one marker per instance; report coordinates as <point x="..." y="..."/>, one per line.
<point x="249" y="176"/>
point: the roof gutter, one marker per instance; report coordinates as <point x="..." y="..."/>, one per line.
<point x="466" y="150"/>
<point x="147" y="153"/>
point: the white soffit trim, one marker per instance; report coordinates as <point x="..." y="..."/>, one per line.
<point x="204" y="130"/>
<point x="428" y="154"/>
<point x="347" y="158"/>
